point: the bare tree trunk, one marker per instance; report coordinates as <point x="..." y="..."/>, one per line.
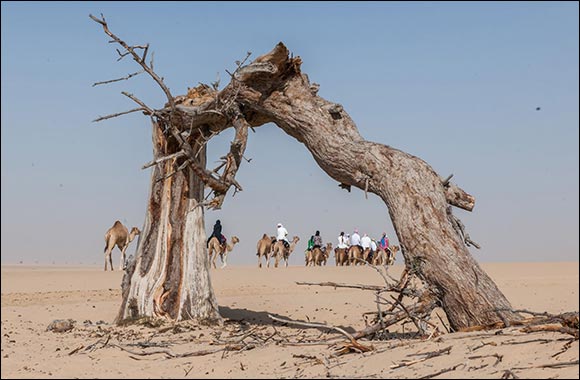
<point x="169" y="277"/>
<point x="274" y="90"/>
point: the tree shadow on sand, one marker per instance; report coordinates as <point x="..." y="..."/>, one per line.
<point x="261" y="318"/>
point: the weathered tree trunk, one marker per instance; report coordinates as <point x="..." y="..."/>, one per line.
<point x="169" y="277"/>
<point x="274" y="90"/>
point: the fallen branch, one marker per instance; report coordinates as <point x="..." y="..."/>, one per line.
<point x="424" y="307"/>
<point x="76" y="350"/>
<point x="342" y="285"/>
<point x="352" y="340"/>
<point x="552" y="365"/>
<point x="442" y="371"/>
<point x="429" y="355"/>
<point x="483" y="344"/>
<point x="507" y="374"/>
<point x="552" y="327"/>
<point x="170" y="354"/>
<point x="565" y="348"/>
<point x="498" y="358"/>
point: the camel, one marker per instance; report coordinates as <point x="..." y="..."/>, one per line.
<point x="355" y="254"/>
<point x="308" y="257"/>
<point x="385" y="257"/>
<point x="392" y="251"/>
<point x="318" y="256"/>
<point x="380" y="257"/>
<point x="215" y="248"/>
<point x="118" y="235"/>
<point x="341" y="256"/>
<point x="325" y="253"/>
<point x="264" y="248"/>
<point x="366" y="255"/>
<point x="279" y="251"/>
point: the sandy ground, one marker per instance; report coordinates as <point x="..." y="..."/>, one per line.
<point x="251" y="346"/>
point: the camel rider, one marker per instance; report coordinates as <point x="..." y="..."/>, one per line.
<point x="355" y="239"/>
<point x="281" y="234"/>
<point x="217" y="232"/>
<point x="384" y="243"/>
<point x="342" y="241"/>
<point x="317" y="240"/>
<point x="365" y="242"/>
<point x="310" y="244"/>
<point x="373" y="249"/>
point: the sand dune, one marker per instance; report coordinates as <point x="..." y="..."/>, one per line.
<point x="32" y="297"/>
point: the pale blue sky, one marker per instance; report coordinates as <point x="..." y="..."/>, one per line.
<point x="456" y="84"/>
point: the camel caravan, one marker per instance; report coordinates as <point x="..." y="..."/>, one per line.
<point x="351" y="250"/>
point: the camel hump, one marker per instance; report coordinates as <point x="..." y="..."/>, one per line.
<point x="265" y="236"/>
<point x="117" y="222"/>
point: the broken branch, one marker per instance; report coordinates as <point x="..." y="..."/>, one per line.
<point x="101" y="118"/>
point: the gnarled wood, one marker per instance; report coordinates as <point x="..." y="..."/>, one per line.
<point x="272" y="89"/>
<point x="169" y="276"/>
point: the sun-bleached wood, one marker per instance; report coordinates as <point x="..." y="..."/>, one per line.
<point x="169" y="276"/>
<point x="273" y="89"/>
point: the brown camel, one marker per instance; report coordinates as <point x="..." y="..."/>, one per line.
<point x="325" y="253"/>
<point x="380" y="256"/>
<point x="118" y="235"/>
<point x="279" y="251"/>
<point x="355" y="254"/>
<point x="308" y="257"/>
<point x="392" y="251"/>
<point x="264" y="248"/>
<point x="341" y="256"/>
<point x="318" y="256"/>
<point x="215" y="249"/>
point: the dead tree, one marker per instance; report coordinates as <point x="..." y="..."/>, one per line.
<point x="169" y="276"/>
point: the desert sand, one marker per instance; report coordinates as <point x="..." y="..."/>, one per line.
<point x="250" y="345"/>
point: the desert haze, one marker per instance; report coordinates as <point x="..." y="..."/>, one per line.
<point x="251" y="345"/>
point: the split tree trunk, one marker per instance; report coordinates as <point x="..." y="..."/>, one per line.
<point x="169" y="277"/>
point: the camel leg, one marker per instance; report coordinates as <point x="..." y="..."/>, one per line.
<point x="122" y="262"/>
<point x="215" y="256"/>
<point x="259" y="260"/>
<point x="224" y="260"/>
<point x="109" y="246"/>
<point x="107" y="257"/>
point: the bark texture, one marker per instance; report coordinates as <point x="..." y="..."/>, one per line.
<point x="273" y="89"/>
<point x="170" y="274"/>
<point x="415" y="196"/>
<point x="169" y="277"/>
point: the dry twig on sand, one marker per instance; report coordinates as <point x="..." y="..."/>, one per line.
<point x="353" y="345"/>
<point x="428" y="355"/>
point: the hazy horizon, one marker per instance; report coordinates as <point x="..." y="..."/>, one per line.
<point x="486" y="91"/>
